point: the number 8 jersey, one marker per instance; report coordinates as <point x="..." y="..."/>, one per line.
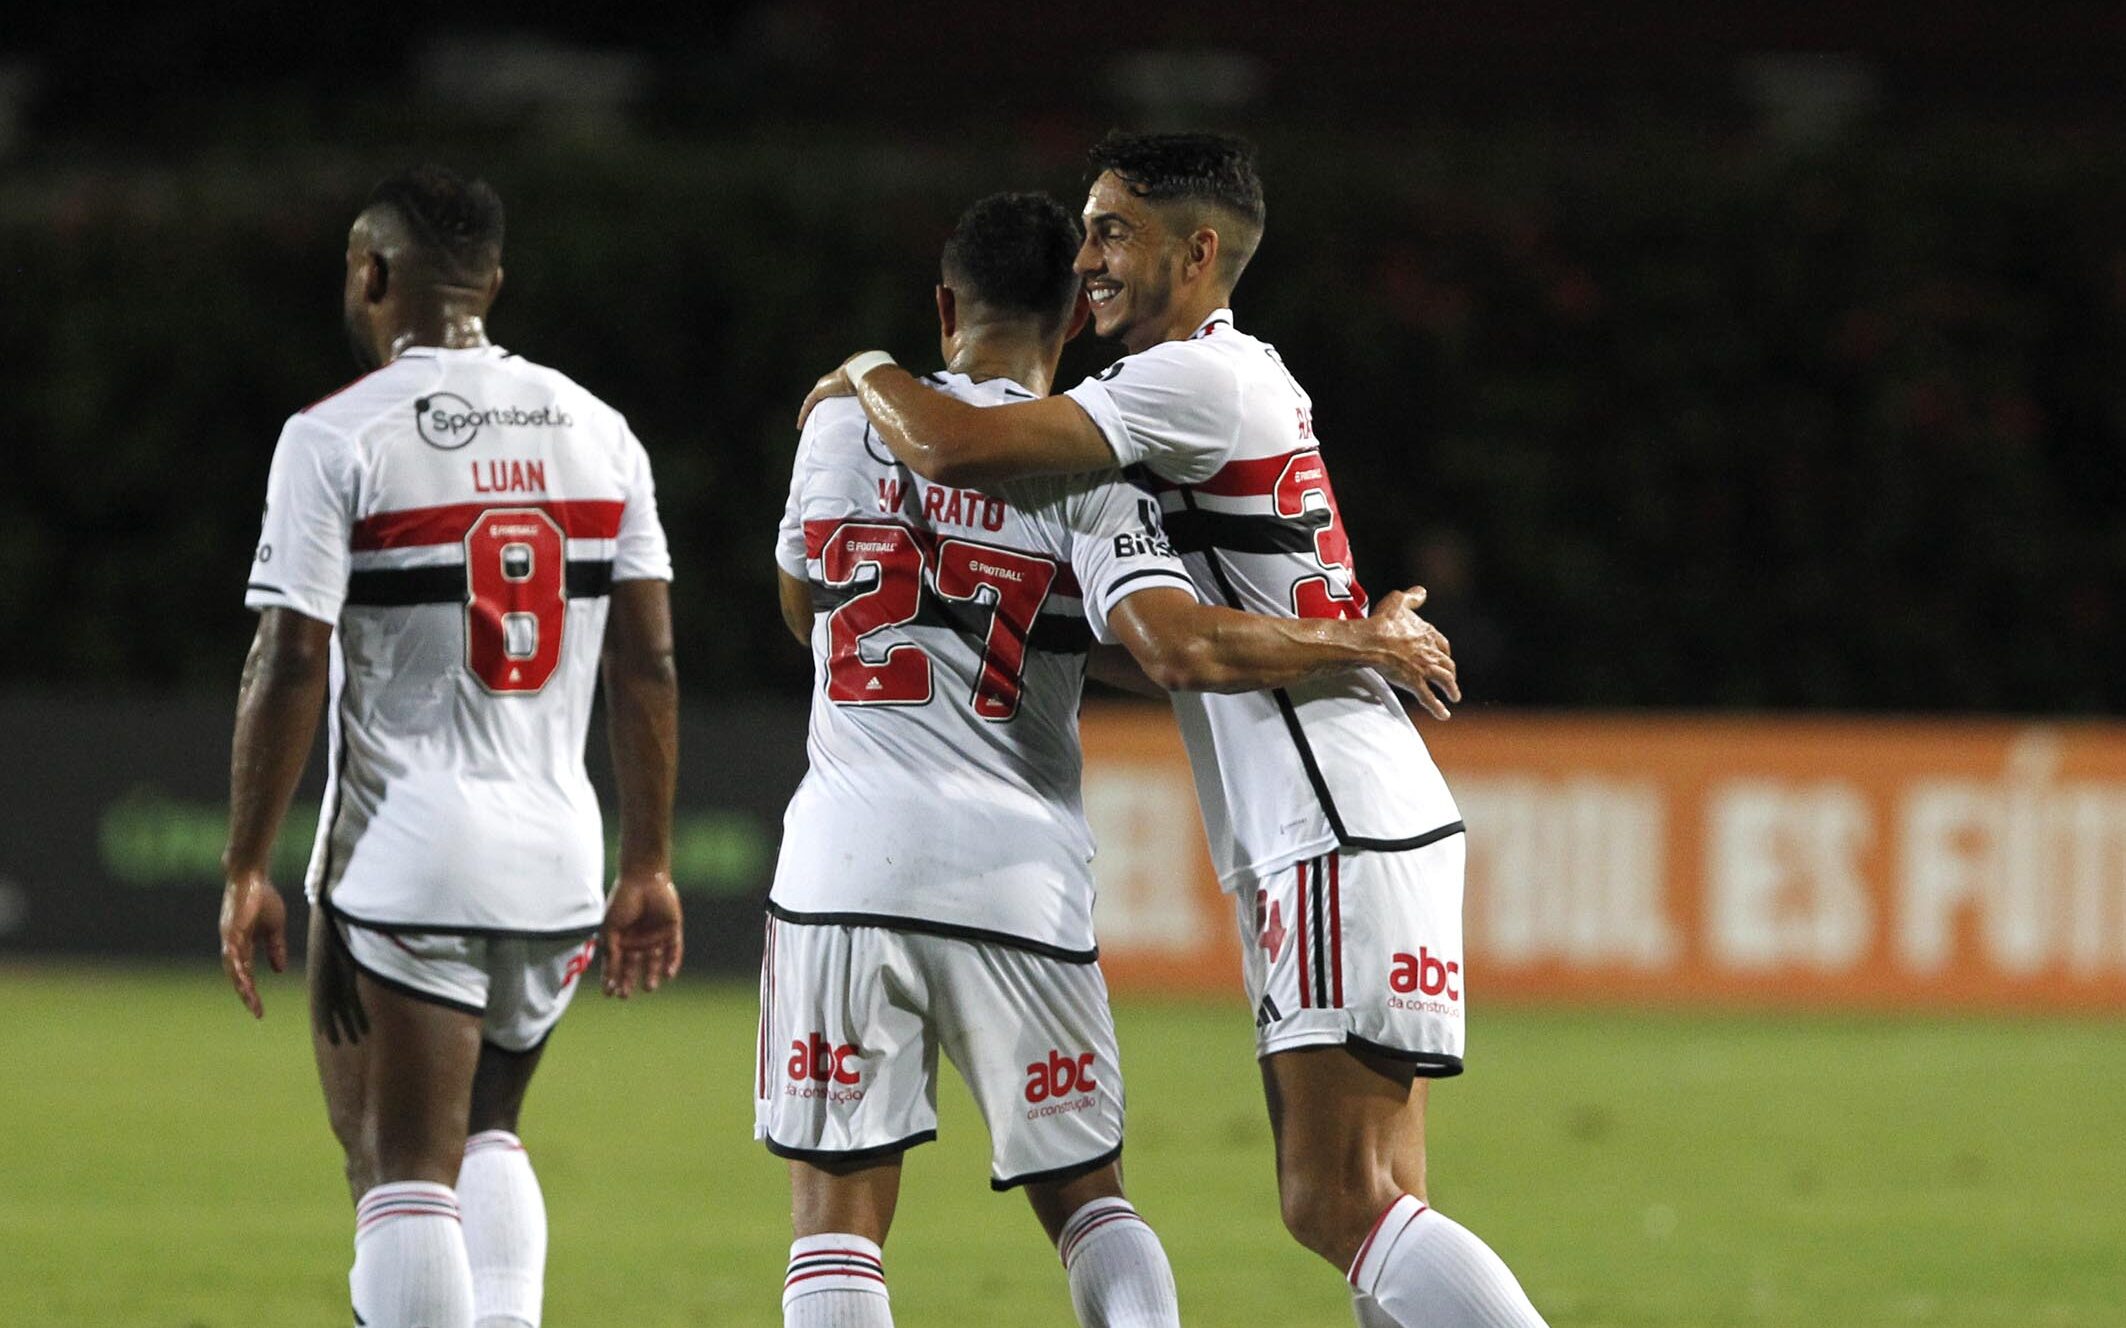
<point x="460" y="517"/>
<point x="948" y="638"/>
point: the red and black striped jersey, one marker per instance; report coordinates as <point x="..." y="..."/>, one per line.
<point x="459" y="516"/>
<point x="1219" y="428"/>
<point x="948" y="637"/>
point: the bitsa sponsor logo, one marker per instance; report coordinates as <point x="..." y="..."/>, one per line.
<point x="1050" y="1083"/>
<point x="448" y="421"/>
<point x="820" y="1068"/>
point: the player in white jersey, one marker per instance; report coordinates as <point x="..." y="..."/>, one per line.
<point x="1327" y="820"/>
<point x="933" y="893"/>
<point x="453" y="545"/>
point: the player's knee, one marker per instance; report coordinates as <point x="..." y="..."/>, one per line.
<point x="1326" y="1218"/>
<point x="434" y="1160"/>
<point x="1329" y="1214"/>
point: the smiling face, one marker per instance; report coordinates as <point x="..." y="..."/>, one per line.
<point x="1131" y="263"/>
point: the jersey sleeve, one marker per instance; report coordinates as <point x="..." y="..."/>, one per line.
<point x="1174" y="409"/>
<point x="790" y="535"/>
<point x="1119" y="547"/>
<point x="301" y="562"/>
<point x="824" y="484"/>
<point x="640" y="553"/>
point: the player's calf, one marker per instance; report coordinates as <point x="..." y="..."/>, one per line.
<point x="1420" y="1267"/>
<point x="835" y="1280"/>
<point x="505" y="1230"/>
<point x="410" y="1269"/>
<point x="1118" y="1270"/>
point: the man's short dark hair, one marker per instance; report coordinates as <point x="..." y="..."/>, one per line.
<point x="1013" y="253"/>
<point x="456" y="223"/>
<point x="1215" y="172"/>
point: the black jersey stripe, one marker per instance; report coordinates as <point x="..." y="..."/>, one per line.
<point x="398" y="587"/>
<point x="1196" y="530"/>
<point x="926" y="927"/>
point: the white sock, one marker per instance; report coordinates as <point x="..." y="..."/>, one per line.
<point x="409" y="1258"/>
<point x="1419" y="1269"/>
<point x="505" y="1230"/>
<point x="1119" y="1276"/>
<point x="835" y="1281"/>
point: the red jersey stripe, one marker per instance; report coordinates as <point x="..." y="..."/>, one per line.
<point x="1306" y="1000"/>
<point x="586" y="519"/>
<point x="1253" y="478"/>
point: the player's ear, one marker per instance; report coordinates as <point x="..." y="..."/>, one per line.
<point x="1081" y="312"/>
<point x="376" y="281"/>
<point x="948" y="311"/>
<point x="494" y="285"/>
<point x="1201" y="255"/>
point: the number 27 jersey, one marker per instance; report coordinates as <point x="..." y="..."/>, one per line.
<point x="949" y="635"/>
<point x="459" y="516"/>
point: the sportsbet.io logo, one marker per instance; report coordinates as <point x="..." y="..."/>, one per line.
<point x="447" y="421"/>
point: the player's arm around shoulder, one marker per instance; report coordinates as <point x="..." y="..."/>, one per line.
<point x="643" y="936"/>
<point x="956" y="443"/>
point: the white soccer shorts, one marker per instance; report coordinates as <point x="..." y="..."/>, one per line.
<point x="1361" y="949"/>
<point x="520" y="986"/>
<point x="851" y="1023"/>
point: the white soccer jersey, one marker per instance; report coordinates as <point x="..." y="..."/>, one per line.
<point x="460" y="517"/>
<point x="948" y="646"/>
<point x="1223" y="432"/>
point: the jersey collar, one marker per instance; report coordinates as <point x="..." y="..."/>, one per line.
<point x="452" y="352"/>
<point x="1210" y="325"/>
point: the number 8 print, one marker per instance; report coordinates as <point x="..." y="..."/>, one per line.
<point x="516" y="598"/>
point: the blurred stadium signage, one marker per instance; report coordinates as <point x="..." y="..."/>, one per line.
<point x="1861" y="862"/>
<point x="1864" y="862"/>
<point x="112" y="821"/>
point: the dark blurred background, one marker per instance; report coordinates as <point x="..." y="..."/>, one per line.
<point x="1756" y="362"/>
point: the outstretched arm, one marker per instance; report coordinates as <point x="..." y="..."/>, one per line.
<point x="642" y="933"/>
<point x="277" y="706"/>
<point x="1191" y="647"/>
<point x="953" y="442"/>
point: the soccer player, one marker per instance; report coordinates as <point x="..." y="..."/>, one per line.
<point x="933" y="893"/>
<point x="1328" y="822"/>
<point x="453" y="545"/>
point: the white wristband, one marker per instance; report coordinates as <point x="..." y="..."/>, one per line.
<point x="862" y="364"/>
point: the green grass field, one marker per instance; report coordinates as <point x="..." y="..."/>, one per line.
<point x="165" y="1163"/>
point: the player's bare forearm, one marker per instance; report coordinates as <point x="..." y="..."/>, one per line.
<point x="1116" y="667"/>
<point x="1186" y="646"/>
<point x="953" y="442"/>
<point x="277" y="707"/>
<point x="642" y="721"/>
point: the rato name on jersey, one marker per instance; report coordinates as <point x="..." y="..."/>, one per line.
<point x="949" y="635"/>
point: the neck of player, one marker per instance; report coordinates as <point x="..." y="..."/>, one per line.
<point x="1025" y="359"/>
<point x="445" y="326"/>
<point x="1182" y="320"/>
